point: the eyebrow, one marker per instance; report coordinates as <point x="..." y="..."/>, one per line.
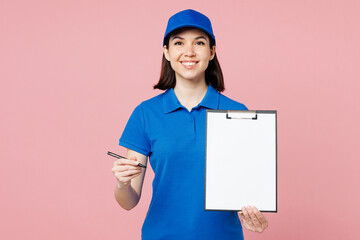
<point x="178" y="37"/>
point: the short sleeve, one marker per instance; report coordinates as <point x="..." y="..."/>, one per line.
<point x="134" y="135"/>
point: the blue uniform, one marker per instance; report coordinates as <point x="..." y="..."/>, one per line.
<point x="174" y="140"/>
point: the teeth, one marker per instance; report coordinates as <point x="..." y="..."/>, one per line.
<point x="189" y="63"/>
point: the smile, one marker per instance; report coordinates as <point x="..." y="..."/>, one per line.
<point x="189" y="65"/>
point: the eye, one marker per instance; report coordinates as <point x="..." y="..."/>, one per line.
<point x="178" y="43"/>
<point x="200" y="43"/>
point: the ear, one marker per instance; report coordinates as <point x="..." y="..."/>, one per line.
<point x="212" y="52"/>
<point x="166" y="53"/>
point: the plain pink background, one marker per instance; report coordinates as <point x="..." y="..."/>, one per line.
<point x="72" y="72"/>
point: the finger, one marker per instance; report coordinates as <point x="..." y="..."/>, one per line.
<point x="131" y="176"/>
<point x="126" y="167"/>
<point x="247" y="219"/>
<point x="243" y="221"/>
<point x="124" y="179"/>
<point x="130" y="172"/>
<point x="133" y="158"/>
<point x="247" y="226"/>
<point x="261" y="218"/>
<point x="125" y="162"/>
<point x="255" y="220"/>
<point x="246" y="214"/>
<point x="126" y="173"/>
<point x="122" y="168"/>
<point x="125" y="176"/>
<point x="263" y="221"/>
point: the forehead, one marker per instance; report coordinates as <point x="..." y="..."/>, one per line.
<point x="189" y="32"/>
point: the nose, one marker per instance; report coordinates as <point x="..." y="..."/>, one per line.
<point x="189" y="50"/>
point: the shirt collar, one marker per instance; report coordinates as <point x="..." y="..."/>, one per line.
<point x="211" y="99"/>
<point x="171" y="103"/>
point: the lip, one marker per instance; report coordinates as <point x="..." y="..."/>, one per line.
<point x="188" y="66"/>
<point x="189" y="61"/>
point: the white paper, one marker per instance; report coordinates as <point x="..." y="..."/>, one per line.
<point x="240" y="162"/>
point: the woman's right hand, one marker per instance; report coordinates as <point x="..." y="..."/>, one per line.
<point x="125" y="170"/>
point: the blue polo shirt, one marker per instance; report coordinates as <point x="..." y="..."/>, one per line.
<point x="174" y="140"/>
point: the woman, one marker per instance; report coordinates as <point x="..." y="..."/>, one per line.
<point x="170" y="129"/>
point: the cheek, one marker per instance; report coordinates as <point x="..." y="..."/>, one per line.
<point x="173" y="51"/>
<point x="175" y="58"/>
<point x="172" y="64"/>
<point x="206" y="65"/>
<point x="206" y="58"/>
<point x="205" y="55"/>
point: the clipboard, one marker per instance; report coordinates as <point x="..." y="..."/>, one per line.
<point x="241" y="160"/>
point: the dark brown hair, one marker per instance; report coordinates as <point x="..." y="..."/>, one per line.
<point x="213" y="73"/>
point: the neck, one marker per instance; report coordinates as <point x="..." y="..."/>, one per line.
<point x="190" y="94"/>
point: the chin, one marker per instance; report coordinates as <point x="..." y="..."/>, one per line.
<point x="192" y="77"/>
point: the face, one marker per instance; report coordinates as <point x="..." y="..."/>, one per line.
<point x="189" y="54"/>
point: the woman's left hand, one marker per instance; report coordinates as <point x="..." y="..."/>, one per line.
<point x="253" y="219"/>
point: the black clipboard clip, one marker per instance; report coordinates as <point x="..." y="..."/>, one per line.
<point x="241" y="114"/>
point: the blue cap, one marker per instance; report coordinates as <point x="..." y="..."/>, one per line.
<point x="189" y="18"/>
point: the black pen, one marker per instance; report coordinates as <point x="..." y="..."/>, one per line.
<point x="120" y="157"/>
